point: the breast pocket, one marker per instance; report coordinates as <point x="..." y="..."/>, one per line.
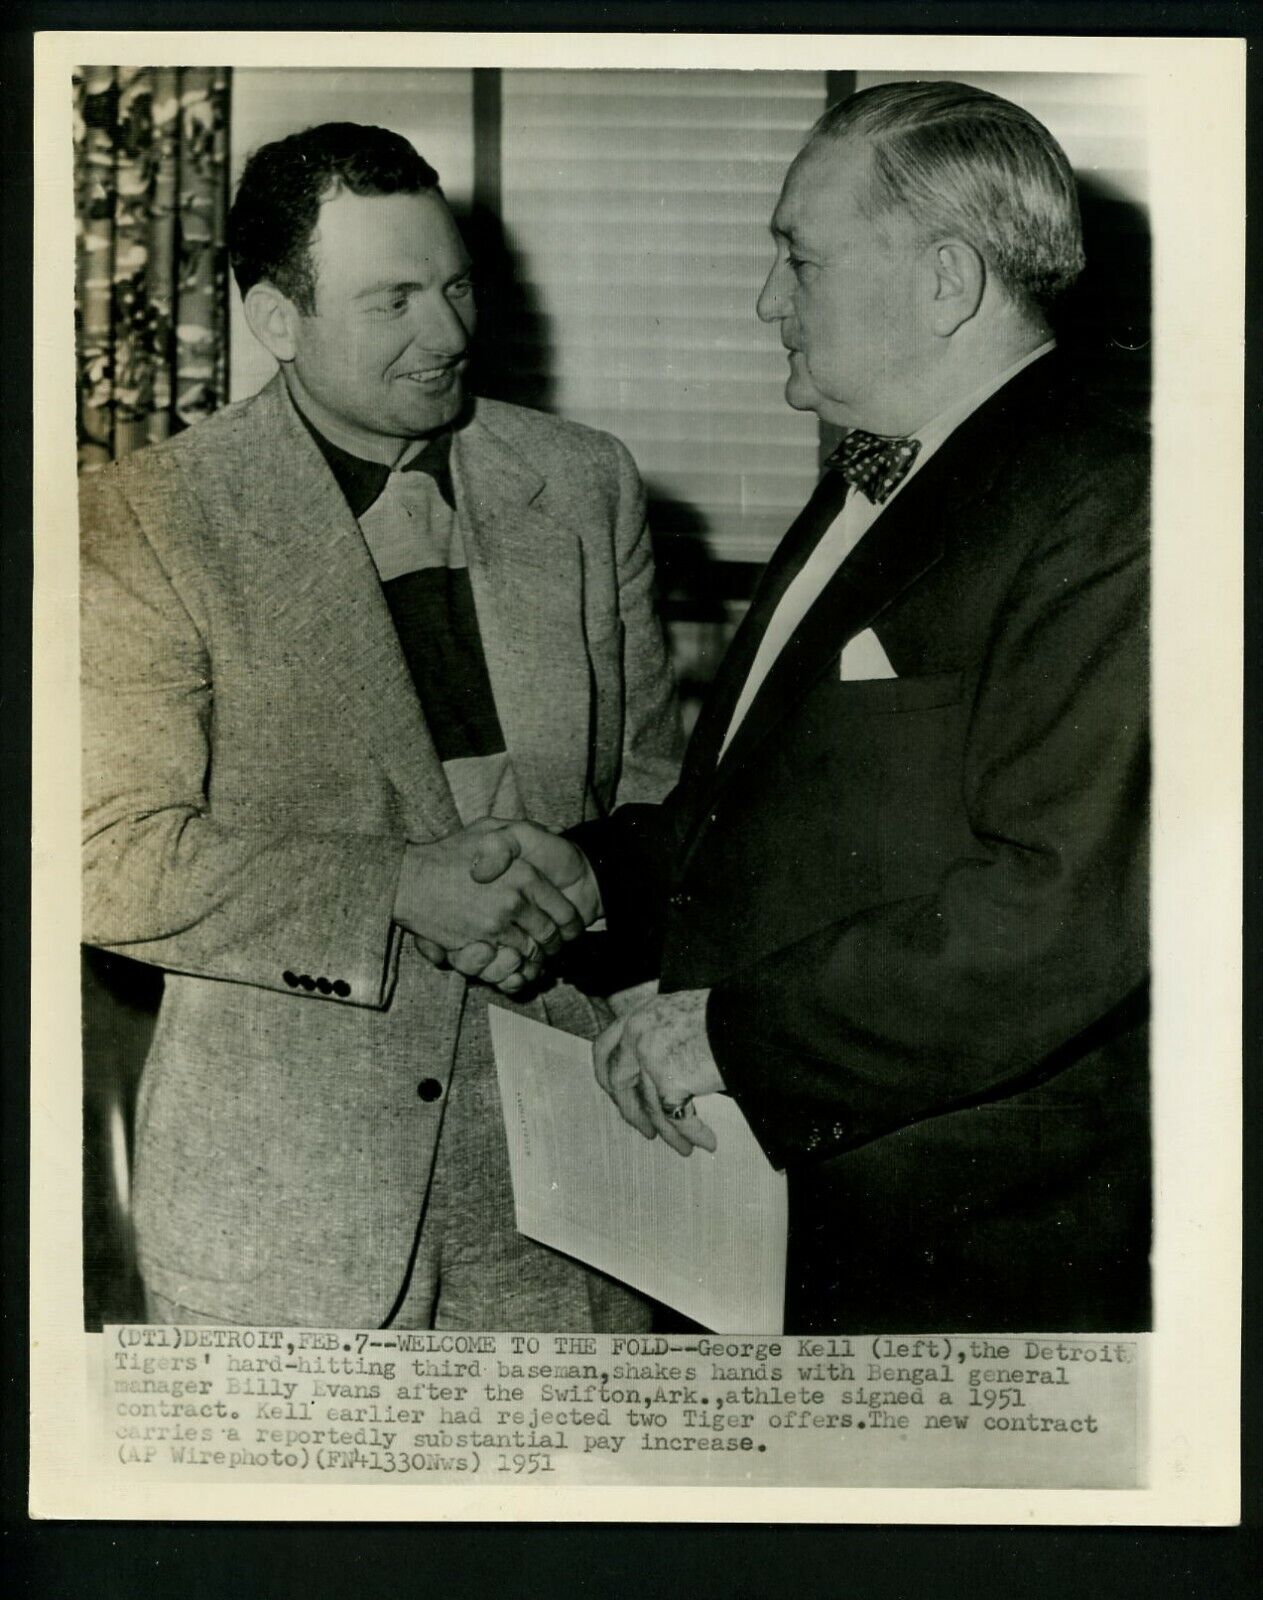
<point x="889" y="758"/>
<point x="869" y="696"/>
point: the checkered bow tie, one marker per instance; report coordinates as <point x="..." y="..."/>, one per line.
<point x="873" y="465"/>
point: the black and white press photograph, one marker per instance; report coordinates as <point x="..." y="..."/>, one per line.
<point x="615" y="659"/>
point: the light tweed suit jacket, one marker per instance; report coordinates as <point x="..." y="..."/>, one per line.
<point x="255" y="758"/>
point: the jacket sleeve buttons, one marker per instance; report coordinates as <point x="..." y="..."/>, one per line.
<point x="305" y="981"/>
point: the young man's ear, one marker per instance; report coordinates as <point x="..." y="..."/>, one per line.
<point x="272" y="317"/>
<point x="958" y="279"/>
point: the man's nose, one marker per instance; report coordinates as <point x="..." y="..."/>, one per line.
<point x="439" y="328"/>
<point x="771" y="305"/>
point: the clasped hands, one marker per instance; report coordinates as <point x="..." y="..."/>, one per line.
<point x="495" y="900"/>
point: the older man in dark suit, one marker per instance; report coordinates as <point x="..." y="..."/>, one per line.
<point x="898" y="898"/>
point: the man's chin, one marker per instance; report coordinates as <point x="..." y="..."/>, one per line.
<point x="800" y="396"/>
<point x="426" y="413"/>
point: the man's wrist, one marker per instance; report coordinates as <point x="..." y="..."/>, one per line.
<point x="404" y="911"/>
<point x="585" y="893"/>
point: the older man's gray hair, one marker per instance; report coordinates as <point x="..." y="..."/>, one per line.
<point x="966" y="163"/>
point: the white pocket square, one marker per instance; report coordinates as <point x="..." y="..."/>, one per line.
<point x="863" y="657"/>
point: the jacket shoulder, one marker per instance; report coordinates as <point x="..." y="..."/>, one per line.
<point x="161" y="468"/>
<point x="1060" y="465"/>
<point x="172" y="493"/>
<point x="540" y="434"/>
<point x="1078" y="490"/>
<point x="1083" y="436"/>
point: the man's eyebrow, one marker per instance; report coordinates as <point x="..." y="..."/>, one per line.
<point x="387" y="286"/>
<point x="406" y="285"/>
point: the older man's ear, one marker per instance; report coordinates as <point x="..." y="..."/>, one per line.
<point x="959" y="281"/>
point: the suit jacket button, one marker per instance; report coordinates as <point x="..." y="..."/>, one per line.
<point x="429" y="1089"/>
<point x="324" y="986"/>
<point x="307" y="981"/>
<point x="341" y="988"/>
<point x="290" y="978"/>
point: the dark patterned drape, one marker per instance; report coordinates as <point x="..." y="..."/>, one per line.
<point x="151" y="178"/>
<point x="151" y="197"/>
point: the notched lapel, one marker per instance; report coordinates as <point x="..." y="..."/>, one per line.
<point x="316" y="584"/>
<point x="898" y="550"/>
<point x="783" y="566"/>
<point x="526" y="572"/>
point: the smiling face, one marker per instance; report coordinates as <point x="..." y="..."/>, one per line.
<point x="848" y="293"/>
<point x="382" y="359"/>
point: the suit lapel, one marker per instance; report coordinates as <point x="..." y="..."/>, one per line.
<point x="784" y="566"/>
<point x="900" y="547"/>
<point x="316" y="584"/>
<point x="526" y="572"/>
<point x="895" y="552"/>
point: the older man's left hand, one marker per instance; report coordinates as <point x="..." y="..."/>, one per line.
<point x="658" y="1055"/>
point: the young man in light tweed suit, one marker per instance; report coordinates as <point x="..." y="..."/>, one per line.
<point x="324" y="634"/>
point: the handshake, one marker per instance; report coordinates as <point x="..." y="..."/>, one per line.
<point x="496" y="899"/>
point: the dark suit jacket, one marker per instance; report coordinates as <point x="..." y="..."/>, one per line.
<point x="920" y="903"/>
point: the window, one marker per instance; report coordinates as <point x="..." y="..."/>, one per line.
<point x="637" y="206"/>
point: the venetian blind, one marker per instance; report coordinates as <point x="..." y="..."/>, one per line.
<point x="636" y="208"/>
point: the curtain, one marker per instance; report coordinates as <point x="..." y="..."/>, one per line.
<point x="151" y="177"/>
<point x="151" y="196"/>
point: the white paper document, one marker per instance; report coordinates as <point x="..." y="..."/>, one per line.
<point x="705" y="1235"/>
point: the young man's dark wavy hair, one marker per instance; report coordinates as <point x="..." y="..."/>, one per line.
<point x="286" y="182"/>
